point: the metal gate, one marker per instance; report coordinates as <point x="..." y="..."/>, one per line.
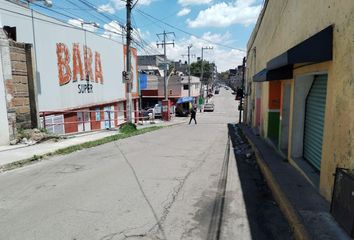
<point x="314" y="121"/>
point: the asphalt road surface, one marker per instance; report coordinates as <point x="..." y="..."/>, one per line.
<point x="160" y="185"/>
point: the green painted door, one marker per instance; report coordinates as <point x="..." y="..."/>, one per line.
<point x="314" y="121"/>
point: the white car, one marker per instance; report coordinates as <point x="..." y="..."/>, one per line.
<point x="158" y="110"/>
<point x="209" y="107"/>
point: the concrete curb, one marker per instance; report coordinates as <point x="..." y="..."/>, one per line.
<point x="39" y="157"/>
<point x="294" y="219"/>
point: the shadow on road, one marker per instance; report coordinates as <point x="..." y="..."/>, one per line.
<point x="265" y="218"/>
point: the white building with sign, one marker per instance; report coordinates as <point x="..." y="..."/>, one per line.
<point x="78" y="72"/>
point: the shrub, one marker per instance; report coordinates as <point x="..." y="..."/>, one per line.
<point x="128" y="128"/>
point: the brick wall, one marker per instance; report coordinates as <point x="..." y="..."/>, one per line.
<point x="18" y="86"/>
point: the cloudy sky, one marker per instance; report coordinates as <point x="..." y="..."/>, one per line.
<point x="224" y="25"/>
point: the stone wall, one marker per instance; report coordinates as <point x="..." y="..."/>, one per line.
<point x="18" y="86"/>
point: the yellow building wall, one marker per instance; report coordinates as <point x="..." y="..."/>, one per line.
<point x="287" y="23"/>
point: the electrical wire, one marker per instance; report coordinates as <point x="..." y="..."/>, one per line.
<point x="188" y="33"/>
<point x="62" y="23"/>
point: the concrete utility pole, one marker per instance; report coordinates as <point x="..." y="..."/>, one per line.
<point x="189" y="70"/>
<point x="164" y="44"/>
<point x="242" y="86"/>
<point x="128" y="74"/>
<point x="202" y="69"/>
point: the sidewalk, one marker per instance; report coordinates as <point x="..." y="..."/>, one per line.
<point x="16" y="153"/>
<point x="306" y="210"/>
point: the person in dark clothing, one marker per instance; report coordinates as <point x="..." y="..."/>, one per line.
<point x="193" y="113"/>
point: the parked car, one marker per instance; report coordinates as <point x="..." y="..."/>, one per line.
<point x="209" y="107"/>
<point x="158" y="110"/>
<point x="146" y="113"/>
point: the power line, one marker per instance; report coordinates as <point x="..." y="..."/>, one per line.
<point x="188" y="33"/>
<point x="62" y="22"/>
<point x="94" y="7"/>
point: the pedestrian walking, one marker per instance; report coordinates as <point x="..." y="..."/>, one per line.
<point x="193" y="113"/>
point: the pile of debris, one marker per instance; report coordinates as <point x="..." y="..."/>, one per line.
<point x="33" y="136"/>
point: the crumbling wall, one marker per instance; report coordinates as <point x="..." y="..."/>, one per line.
<point x="18" y="85"/>
<point x="16" y="59"/>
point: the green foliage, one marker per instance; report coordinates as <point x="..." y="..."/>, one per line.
<point x="224" y="76"/>
<point x="196" y="70"/>
<point x="43" y="130"/>
<point x="128" y="128"/>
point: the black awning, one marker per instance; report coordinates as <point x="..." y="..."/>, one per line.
<point x="315" y="49"/>
<point x="275" y="74"/>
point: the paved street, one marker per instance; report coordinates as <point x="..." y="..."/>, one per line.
<point x="160" y="185"/>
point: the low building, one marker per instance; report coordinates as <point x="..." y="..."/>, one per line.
<point x="150" y="60"/>
<point x="152" y="88"/>
<point x="152" y="81"/>
<point x="300" y="85"/>
<point x="68" y="78"/>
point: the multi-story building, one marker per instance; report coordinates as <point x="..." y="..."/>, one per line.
<point x="300" y="85"/>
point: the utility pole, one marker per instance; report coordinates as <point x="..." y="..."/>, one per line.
<point x="242" y="86"/>
<point x="202" y="70"/>
<point x="189" y="55"/>
<point x="164" y="44"/>
<point x="189" y="70"/>
<point x="128" y="73"/>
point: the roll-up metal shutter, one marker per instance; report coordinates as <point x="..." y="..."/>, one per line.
<point x="314" y="121"/>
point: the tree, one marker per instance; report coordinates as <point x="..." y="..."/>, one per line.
<point x="196" y="70"/>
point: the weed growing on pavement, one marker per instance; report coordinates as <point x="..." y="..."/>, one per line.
<point x="128" y="128"/>
<point x="126" y="134"/>
<point x="90" y="144"/>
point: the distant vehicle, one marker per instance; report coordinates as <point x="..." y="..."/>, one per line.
<point x="217" y="91"/>
<point x="209" y="107"/>
<point x="158" y="110"/>
<point x="226" y="88"/>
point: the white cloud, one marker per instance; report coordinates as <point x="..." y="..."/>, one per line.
<point x="225" y="14"/>
<point x="79" y="23"/>
<point x="113" y="5"/>
<point x="113" y="31"/>
<point x="224" y="58"/>
<point x="142" y="34"/>
<point x="194" y="2"/>
<point x="184" y="12"/>
<point x="145" y="2"/>
<point x="106" y="8"/>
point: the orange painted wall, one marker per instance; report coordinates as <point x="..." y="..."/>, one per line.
<point x="274" y="94"/>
